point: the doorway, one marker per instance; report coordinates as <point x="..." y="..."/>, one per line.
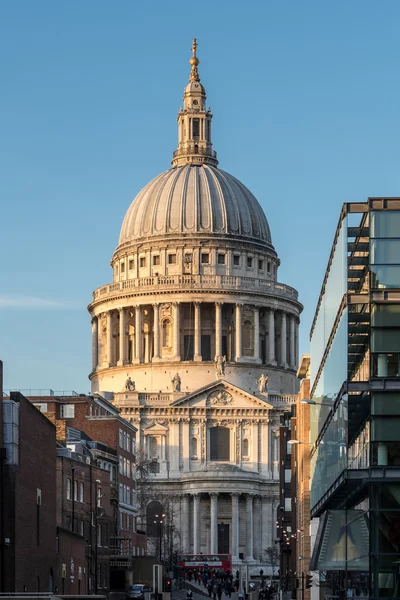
<point x="223" y="538"/>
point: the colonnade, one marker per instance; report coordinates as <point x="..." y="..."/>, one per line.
<point x="280" y="326"/>
<point x="258" y="510"/>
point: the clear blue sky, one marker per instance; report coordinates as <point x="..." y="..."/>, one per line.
<point x="306" y="114"/>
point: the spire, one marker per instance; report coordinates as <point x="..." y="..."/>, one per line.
<point x="194" y="61"/>
<point x="194" y="122"/>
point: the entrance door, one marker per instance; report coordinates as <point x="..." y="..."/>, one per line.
<point x="223" y="538"/>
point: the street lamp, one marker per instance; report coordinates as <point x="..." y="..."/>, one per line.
<point x="159" y="520"/>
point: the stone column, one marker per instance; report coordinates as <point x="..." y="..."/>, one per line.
<point x="122" y="336"/>
<point x="268" y="533"/>
<point x="95" y="343"/>
<point x="257" y="550"/>
<point x="176" y="331"/>
<point x="249" y="527"/>
<point x="235" y="526"/>
<point x="196" y="523"/>
<point x="197" y="332"/>
<point x="271" y="338"/>
<point x="283" y="341"/>
<point x="292" y="357"/>
<point x="138" y="334"/>
<point x="214" y="522"/>
<point x="218" y="329"/>
<point x="109" y="339"/>
<point x="185" y="523"/>
<point x="256" y="334"/>
<point x="156" y="332"/>
<point x="238" y="332"/>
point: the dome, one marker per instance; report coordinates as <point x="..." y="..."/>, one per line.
<point x="195" y="199"/>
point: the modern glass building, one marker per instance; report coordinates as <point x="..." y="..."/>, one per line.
<point x="355" y="423"/>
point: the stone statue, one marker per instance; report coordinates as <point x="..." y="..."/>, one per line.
<point x="220" y="364"/>
<point x="262" y="383"/>
<point x="129" y="385"/>
<point x="176" y="383"/>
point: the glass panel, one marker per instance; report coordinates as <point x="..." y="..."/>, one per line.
<point x="385" y="429"/>
<point x="385" y="340"/>
<point x="385" y="454"/>
<point x="385" y="252"/>
<point x="385" y="277"/>
<point x="385" y="403"/>
<point x="386" y="365"/>
<point x="385" y="315"/>
<point x="385" y="223"/>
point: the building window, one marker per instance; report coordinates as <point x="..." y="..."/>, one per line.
<point x="205" y="258"/>
<point x="67" y="411"/>
<point x="81" y="492"/>
<point x="260" y="265"/>
<point x="75" y="491"/>
<point x="245" y="448"/>
<point x="221" y="259"/>
<point x="82" y="528"/>
<point x="123" y="267"/>
<point x="166" y="333"/>
<point x="124" y="469"/>
<point x="247" y="336"/>
<point x="128" y="495"/>
<point x="156" y="260"/>
<point x="249" y="262"/>
<point x="128" y="468"/>
<point x="288" y="504"/>
<point x="219" y="443"/>
<point x="99" y="540"/>
<point x="268" y="267"/>
<point x="121" y="438"/>
<point x="42" y="407"/>
<point x="236" y="260"/>
<point x="121" y="466"/>
<point x="193" y="447"/>
<point x="133" y="447"/>
<point x="288" y="475"/>
<point x="128" y="442"/>
<point x="121" y="493"/>
<point x="131" y="264"/>
<point x="172" y="259"/>
<point x="142" y="262"/>
<point x="68" y="489"/>
<point x="99" y="497"/>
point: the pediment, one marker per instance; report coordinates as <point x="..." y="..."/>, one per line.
<point x="156" y="429"/>
<point x="221" y="394"/>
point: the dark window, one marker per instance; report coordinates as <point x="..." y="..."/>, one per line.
<point x="205" y="258"/>
<point x="196" y="128"/>
<point x="122" y="267"/>
<point x="221" y="259"/>
<point x="188" y="347"/>
<point x="219" y="443"/>
<point x="249" y="262"/>
<point x="131" y="264"/>
<point x="236" y="260"/>
<point x="156" y="260"/>
<point x="171" y="259"/>
<point x="206" y="347"/>
<point x="142" y="262"/>
<point x="260" y="265"/>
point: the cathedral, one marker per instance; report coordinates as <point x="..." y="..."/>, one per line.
<point x="196" y="342"/>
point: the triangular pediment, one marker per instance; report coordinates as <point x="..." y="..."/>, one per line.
<point x="222" y="394"/>
<point x="157" y="428"/>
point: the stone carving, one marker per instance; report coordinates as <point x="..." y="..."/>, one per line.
<point x="176" y="383"/>
<point x="220" y="397"/>
<point x="262" y="383"/>
<point x="220" y="364"/>
<point x="129" y="385"/>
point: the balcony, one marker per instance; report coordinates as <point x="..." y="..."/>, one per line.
<point x="192" y="283"/>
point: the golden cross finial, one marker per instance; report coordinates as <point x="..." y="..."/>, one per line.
<point x="194" y="61"/>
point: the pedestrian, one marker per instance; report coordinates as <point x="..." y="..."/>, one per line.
<point x="209" y="588"/>
<point x="219" y="591"/>
<point x="214" y="590"/>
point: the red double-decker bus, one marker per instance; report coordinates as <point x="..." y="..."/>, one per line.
<point x="217" y="562"/>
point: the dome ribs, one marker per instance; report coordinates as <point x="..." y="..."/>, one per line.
<point x="231" y="206"/>
<point x="185" y="199"/>
<point x="205" y="222"/>
<point x="168" y="202"/>
<point x="219" y="211"/>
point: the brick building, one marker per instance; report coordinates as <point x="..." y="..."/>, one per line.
<point x="29" y="498"/>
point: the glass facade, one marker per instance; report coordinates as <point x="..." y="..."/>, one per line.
<point x="385" y="249"/>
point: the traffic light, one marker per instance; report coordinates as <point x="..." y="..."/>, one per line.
<point x="167" y="584"/>
<point x="309" y="581"/>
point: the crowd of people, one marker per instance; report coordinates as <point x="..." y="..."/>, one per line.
<point x="220" y="583"/>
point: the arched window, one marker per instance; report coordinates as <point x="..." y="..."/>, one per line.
<point x="193" y="447"/>
<point x="247" y="336"/>
<point x="153" y="513"/>
<point x="166" y="333"/>
<point x="245" y="447"/>
<point x="219" y="443"/>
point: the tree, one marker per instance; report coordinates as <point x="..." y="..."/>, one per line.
<point x="272" y="557"/>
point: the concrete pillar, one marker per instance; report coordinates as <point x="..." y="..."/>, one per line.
<point x="292" y="341"/>
<point x="214" y="522"/>
<point x="196" y="523"/>
<point x="238" y="333"/>
<point x="218" y="329"/>
<point x="197" y="332"/>
<point x="156" y="331"/>
<point x="235" y="526"/>
<point x="138" y="334"/>
<point x="122" y="337"/>
<point x="95" y="343"/>
<point x="185" y="523"/>
<point x="283" y="341"/>
<point x="176" y="331"/>
<point x="256" y="334"/>
<point x="271" y="338"/>
<point x="110" y="357"/>
<point x="249" y="527"/>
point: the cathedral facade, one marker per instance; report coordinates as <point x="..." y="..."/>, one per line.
<point x="196" y="342"/>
